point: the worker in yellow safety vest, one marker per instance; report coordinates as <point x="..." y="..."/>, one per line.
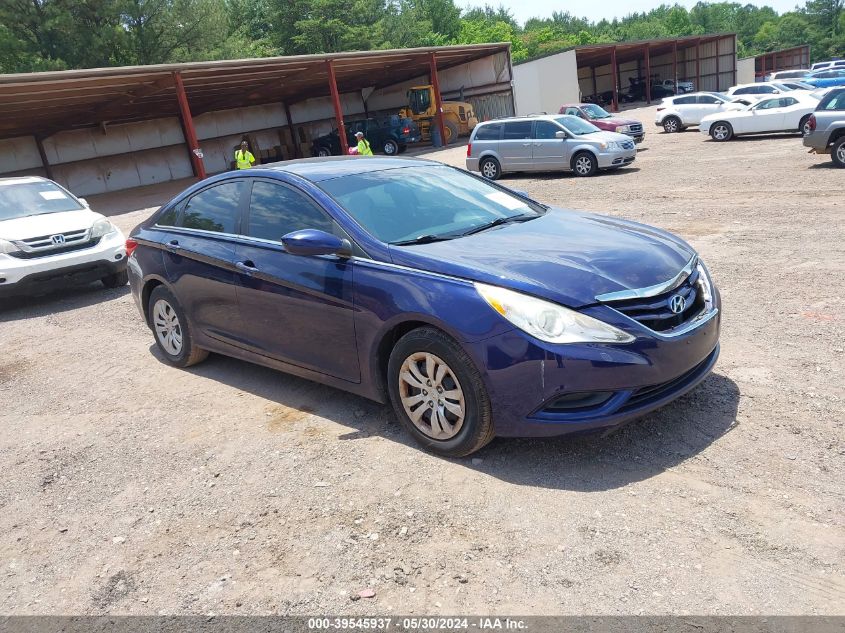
<point x="364" y="148"/>
<point x="243" y="157"/>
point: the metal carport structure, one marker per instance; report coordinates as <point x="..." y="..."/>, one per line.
<point x="46" y="103"/>
<point x="795" y="58"/>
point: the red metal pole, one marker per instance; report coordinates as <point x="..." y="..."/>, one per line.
<point x="614" y="71"/>
<point x="648" y="74"/>
<point x="718" y="78"/>
<point x="734" y="62"/>
<point x="338" y="110"/>
<point x="438" y="104"/>
<point x="698" y="64"/>
<point x="188" y="127"/>
<point x="675" y="63"/>
<point x="763" y="69"/>
<point x="595" y="86"/>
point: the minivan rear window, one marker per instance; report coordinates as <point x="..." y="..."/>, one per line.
<point x="490" y="132"/>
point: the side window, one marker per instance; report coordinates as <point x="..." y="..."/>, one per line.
<point x="489" y="132"/>
<point x="214" y="209"/>
<point x="276" y="210"/>
<point x="767" y="90"/>
<point x="837" y="102"/>
<point x="168" y="218"/>
<point x="684" y="100"/>
<point x="743" y="91"/>
<point x="517" y="130"/>
<point x="768" y="104"/>
<point x="545" y="130"/>
<point x="708" y="99"/>
<point x="787" y="101"/>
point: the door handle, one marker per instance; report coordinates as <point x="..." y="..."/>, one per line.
<point x="173" y="245"/>
<point x="526" y="144"/>
<point x="247" y="267"/>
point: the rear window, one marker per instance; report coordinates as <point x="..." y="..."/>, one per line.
<point x="490" y="132"/>
<point x="684" y="100"/>
<point x="21" y="199"/>
<point x="833" y="101"/>
<point x="517" y="131"/>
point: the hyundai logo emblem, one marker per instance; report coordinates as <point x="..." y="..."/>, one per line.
<point x="677" y="304"/>
<point x="58" y="240"/>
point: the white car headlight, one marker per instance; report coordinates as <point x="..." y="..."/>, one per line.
<point x="7" y="247"/>
<point x="613" y="146"/>
<point x="623" y="128"/>
<point x="102" y="227"/>
<point x="548" y="321"/>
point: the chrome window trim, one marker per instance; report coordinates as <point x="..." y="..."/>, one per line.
<point x="651" y="291"/>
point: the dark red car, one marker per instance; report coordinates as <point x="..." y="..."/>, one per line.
<point x="604" y="120"/>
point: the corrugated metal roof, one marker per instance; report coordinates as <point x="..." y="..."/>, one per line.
<point x="44" y="103"/>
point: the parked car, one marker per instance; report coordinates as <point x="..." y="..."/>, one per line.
<point x="676" y="114"/>
<point x="784" y="113"/>
<point x="827" y="78"/>
<point x="389" y="135"/>
<point x="50" y="239"/>
<point x="759" y="90"/>
<point x="604" y="120"/>
<point x="474" y="310"/>
<point x="546" y="143"/>
<point x="827" y="127"/>
<point x="683" y="86"/>
<point x="781" y="75"/>
<point x="834" y="63"/>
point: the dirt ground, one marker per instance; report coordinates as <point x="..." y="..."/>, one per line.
<point x="130" y="487"/>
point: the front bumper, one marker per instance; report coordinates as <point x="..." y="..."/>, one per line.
<point x="43" y="274"/>
<point x="617" y="158"/>
<point x="526" y="378"/>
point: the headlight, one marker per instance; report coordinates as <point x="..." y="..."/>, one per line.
<point x="548" y="321"/>
<point x="705" y="284"/>
<point x="623" y="128"/>
<point x="7" y="247"/>
<point x="102" y="227"/>
<point x="613" y="146"/>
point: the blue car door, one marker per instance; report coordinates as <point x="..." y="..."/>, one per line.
<point x="294" y="308"/>
<point x="199" y="258"/>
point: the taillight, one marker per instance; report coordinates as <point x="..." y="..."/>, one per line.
<point x="131" y="245"/>
<point x="469" y="150"/>
<point x="406" y="130"/>
<point x="812" y="123"/>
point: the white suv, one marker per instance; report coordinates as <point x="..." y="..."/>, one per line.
<point x="675" y="114"/>
<point x="49" y="239"/>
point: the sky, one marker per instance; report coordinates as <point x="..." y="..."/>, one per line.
<point x="525" y="9"/>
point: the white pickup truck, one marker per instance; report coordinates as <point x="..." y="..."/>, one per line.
<point x="683" y="86"/>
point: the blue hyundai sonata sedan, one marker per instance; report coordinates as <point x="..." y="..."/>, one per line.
<point x="473" y="309"/>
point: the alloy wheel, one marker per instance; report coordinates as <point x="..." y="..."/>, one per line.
<point x="840" y="154"/>
<point x="720" y="132"/>
<point x="167" y="327"/>
<point x="489" y="169"/>
<point x="431" y="396"/>
<point x="583" y="165"/>
<point x="670" y="125"/>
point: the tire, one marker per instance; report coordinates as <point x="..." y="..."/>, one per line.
<point x="672" y="125"/>
<point x="116" y="280"/>
<point x="323" y="151"/>
<point x="166" y="315"/>
<point x="490" y="168"/>
<point x="584" y="164"/>
<point x="803" y="127"/>
<point x="451" y="132"/>
<point x="721" y="131"/>
<point x="462" y="423"/>
<point x="837" y="152"/>
<point x="390" y="147"/>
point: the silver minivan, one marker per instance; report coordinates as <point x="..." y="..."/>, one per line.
<point x="546" y="143"/>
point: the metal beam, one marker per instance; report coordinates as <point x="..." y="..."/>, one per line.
<point x="338" y="110"/>
<point x="614" y="71"/>
<point x="188" y="127"/>
<point x="648" y="74"/>
<point x="46" y="163"/>
<point x="291" y="130"/>
<point x="438" y="104"/>
<point x="675" y="64"/>
<point x="718" y="78"/>
<point x="698" y="64"/>
<point x="147" y="90"/>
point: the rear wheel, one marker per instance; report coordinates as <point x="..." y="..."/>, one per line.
<point x="804" y="126"/>
<point x="451" y="131"/>
<point x="837" y="152"/>
<point x="172" y="330"/>
<point x="584" y="164"/>
<point x="671" y="124"/>
<point x="116" y="280"/>
<point x="324" y="151"/>
<point x="438" y="393"/>
<point x="490" y="168"/>
<point x="390" y="147"/>
<point x="721" y="131"/>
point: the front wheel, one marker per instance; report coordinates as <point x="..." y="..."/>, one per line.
<point x="584" y="164"/>
<point x="390" y="147"/>
<point x="837" y="152"/>
<point x="172" y="330"/>
<point x="721" y="131"/>
<point x="438" y="394"/>
<point x="490" y="168"/>
<point x="671" y="125"/>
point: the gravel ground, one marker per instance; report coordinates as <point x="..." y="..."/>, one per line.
<point x="130" y="487"/>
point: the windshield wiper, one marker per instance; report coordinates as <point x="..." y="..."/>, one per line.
<point x="424" y="239"/>
<point x="499" y="222"/>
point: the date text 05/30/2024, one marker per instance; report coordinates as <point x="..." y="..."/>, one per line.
<point x="417" y="624"/>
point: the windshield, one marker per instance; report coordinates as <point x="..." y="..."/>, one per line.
<point x="398" y="205"/>
<point x="595" y="111"/>
<point x="21" y="198"/>
<point x="577" y="126"/>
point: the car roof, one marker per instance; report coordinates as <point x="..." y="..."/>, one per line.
<point x="23" y="180"/>
<point x="319" y="169"/>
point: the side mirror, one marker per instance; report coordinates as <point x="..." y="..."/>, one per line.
<point x="84" y="202"/>
<point x="316" y="242"/>
<point x="561" y="134"/>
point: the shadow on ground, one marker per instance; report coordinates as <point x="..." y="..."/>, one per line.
<point x="71" y="298"/>
<point x="640" y="450"/>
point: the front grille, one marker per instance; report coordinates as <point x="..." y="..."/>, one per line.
<point x="58" y="250"/>
<point x="636" y="129"/>
<point x="46" y="241"/>
<point x="655" y="313"/>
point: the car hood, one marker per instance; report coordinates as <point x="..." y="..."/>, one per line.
<point x="614" y="120"/>
<point x="603" y="136"/>
<point x="47" y="224"/>
<point x="564" y="256"/>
